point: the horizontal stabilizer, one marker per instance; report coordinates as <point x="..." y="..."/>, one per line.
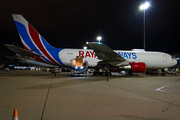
<point x="22" y="51"/>
<point x="31" y="62"/>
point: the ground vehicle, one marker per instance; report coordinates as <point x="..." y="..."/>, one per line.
<point x="7" y="69"/>
<point x="170" y="72"/>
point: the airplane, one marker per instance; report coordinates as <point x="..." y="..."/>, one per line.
<point x="37" y="51"/>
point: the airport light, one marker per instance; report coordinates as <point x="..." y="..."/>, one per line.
<point x="85" y="48"/>
<point x="99" y="38"/>
<point x="144" y="7"/>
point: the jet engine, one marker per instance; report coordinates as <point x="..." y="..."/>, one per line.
<point x="134" y="67"/>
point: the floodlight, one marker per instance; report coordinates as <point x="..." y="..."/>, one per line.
<point x="144" y="6"/>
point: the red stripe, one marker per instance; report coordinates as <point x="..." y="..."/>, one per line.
<point x="25" y="47"/>
<point x="35" y="36"/>
<point x="37" y="58"/>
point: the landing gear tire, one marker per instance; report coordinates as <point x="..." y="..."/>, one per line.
<point x="109" y="74"/>
<point x="103" y="74"/>
<point x="163" y="74"/>
<point x="94" y="73"/>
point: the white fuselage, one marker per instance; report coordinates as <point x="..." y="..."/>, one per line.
<point x="153" y="60"/>
<point x="41" y="51"/>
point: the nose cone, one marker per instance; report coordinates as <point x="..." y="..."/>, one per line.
<point x="174" y="62"/>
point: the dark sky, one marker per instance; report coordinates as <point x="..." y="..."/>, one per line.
<point x="70" y="23"/>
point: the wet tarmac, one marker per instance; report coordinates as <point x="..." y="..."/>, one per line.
<point x="40" y="96"/>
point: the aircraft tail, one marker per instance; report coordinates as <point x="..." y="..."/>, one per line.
<point x="30" y="38"/>
<point x="33" y="41"/>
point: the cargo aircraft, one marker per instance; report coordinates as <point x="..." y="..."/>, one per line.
<point x="37" y="51"/>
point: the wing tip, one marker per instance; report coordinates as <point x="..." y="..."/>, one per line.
<point x="95" y="43"/>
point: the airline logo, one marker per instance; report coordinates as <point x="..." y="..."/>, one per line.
<point x="128" y="55"/>
<point x="91" y="54"/>
<point x="86" y="54"/>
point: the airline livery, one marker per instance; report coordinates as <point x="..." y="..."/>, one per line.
<point x="37" y="51"/>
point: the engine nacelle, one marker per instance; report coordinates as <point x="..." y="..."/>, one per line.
<point x="135" y="67"/>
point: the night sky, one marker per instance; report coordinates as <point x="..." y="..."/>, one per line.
<point x="71" y="23"/>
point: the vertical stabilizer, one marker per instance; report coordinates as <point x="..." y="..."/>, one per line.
<point x="30" y="38"/>
<point x="33" y="41"/>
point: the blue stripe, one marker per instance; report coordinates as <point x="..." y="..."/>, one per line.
<point x="53" y="51"/>
<point x="23" y="33"/>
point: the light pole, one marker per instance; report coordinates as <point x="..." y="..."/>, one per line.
<point x="144" y="7"/>
<point x="99" y="38"/>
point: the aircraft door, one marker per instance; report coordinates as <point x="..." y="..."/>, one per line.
<point x="164" y="58"/>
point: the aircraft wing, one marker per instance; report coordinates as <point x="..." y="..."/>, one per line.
<point x="21" y="51"/>
<point x="106" y="54"/>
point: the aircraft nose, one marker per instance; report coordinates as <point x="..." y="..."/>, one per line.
<point x="174" y="61"/>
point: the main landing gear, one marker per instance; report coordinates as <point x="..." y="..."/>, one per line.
<point x="102" y="73"/>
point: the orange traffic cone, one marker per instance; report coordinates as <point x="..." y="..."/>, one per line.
<point x="15" y="115"/>
<point x="107" y="78"/>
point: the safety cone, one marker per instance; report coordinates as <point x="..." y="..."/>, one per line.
<point x="15" y="115"/>
<point x="107" y="78"/>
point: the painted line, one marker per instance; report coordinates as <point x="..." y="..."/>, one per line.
<point x="159" y="89"/>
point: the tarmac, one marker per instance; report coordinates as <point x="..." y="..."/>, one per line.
<point x="40" y="96"/>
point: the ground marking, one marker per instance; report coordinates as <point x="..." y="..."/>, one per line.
<point x="159" y="89"/>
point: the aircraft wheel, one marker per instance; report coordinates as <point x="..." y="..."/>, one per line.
<point x="94" y="73"/>
<point x="103" y="74"/>
<point x="109" y="74"/>
<point x="163" y="74"/>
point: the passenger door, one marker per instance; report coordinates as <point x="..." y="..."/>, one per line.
<point x="164" y="58"/>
